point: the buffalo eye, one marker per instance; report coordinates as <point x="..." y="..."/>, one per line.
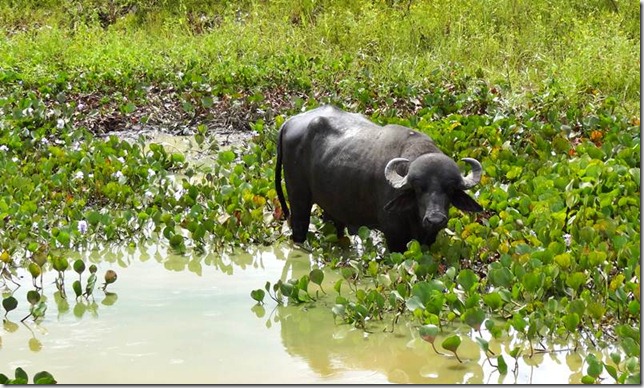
<point x="420" y="187"/>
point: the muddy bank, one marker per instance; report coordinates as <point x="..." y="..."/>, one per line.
<point x="167" y="110"/>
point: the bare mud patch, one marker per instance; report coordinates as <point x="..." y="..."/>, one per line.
<point x="228" y="120"/>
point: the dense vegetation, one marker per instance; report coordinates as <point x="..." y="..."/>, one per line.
<point x="545" y="94"/>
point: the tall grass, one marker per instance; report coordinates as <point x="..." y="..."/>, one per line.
<point x="583" y="50"/>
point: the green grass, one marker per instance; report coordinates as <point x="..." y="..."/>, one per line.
<point x="584" y="53"/>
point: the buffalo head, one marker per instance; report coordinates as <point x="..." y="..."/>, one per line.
<point x="428" y="185"/>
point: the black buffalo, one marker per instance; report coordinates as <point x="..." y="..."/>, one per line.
<point x="389" y="178"/>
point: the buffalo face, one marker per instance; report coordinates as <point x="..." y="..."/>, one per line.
<point x="428" y="185"/>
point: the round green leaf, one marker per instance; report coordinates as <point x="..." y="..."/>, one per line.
<point x="518" y="323"/>
<point x="501" y="277"/>
<point x="33" y="297"/>
<point x="21" y="375"/>
<point x="493" y="300"/>
<point x="258" y="295"/>
<point x="634" y="308"/>
<point x="60" y="264"/>
<point x="587" y="379"/>
<point x="571" y="321"/>
<point x="79" y="266"/>
<point x="467" y="279"/>
<point x="110" y="276"/>
<point x="9" y="303"/>
<point x="63" y="238"/>
<point x="44" y="377"/>
<point x="474" y="317"/>
<point x="176" y="240"/>
<point x="226" y="157"/>
<point x="452" y="343"/>
<point x="34" y="269"/>
<point x="429" y="332"/>
<point x="178" y="158"/>
<point x="414" y="303"/>
<point x="575" y="280"/>
<point x="595" y="367"/>
<point x="78" y="289"/>
<point x="286" y="289"/>
<point x="316" y="276"/>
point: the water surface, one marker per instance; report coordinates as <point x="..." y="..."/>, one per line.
<point x="182" y="319"/>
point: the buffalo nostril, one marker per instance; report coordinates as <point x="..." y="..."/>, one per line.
<point x="435" y="221"/>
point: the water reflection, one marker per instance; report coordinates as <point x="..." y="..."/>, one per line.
<point x="331" y="349"/>
<point x="190" y="319"/>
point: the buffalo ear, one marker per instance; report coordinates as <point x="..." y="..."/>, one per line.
<point x="462" y="201"/>
<point x="402" y="202"/>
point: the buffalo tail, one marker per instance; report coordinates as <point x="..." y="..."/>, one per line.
<point x="278" y="175"/>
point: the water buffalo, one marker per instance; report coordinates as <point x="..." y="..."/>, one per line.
<point x="389" y="178"/>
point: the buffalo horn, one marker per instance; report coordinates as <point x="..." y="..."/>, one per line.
<point x="395" y="179"/>
<point x="474" y="177"/>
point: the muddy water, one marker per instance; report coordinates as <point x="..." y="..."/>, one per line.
<point x="174" y="319"/>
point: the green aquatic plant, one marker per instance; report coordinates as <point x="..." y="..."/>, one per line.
<point x="429" y="333"/>
<point x="91" y="281"/>
<point x="38" y="305"/>
<point x="79" y="268"/>
<point x="258" y="295"/>
<point x="9" y="303"/>
<point x="60" y="264"/>
<point x="555" y="254"/>
<point x="501" y="366"/>
<point x="295" y="291"/>
<point x="452" y="343"/>
<point x="110" y="277"/>
<point x="21" y="377"/>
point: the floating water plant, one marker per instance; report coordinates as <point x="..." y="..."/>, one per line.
<point x="452" y="343"/>
<point x="429" y="333"/>
<point x="110" y="277"/>
<point x="9" y="303"/>
<point x="22" y="378"/>
<point x="38" y="305"/>
<point x="91" y="281"/>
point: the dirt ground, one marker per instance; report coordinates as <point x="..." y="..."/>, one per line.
<point x="227" y="119"/>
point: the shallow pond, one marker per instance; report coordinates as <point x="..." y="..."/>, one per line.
<point x="180" y="319"/>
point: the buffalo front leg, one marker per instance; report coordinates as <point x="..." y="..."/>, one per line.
<point x="397" y="245"/>
<point x="396" y="241"/>
<point x="339" y="226"/>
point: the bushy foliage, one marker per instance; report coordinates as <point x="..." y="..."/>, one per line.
<point x="544" y="95"/>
